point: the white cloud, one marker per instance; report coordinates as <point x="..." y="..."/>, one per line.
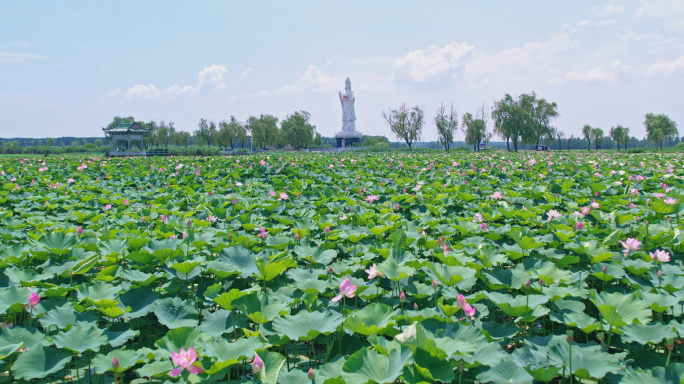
<point x="587" y="23"/>
<point x="314" y="80"/>
<point x="212" y="78"/>
<point x="244" y="74"/>
<point x="666" y="68"/>
<point x="532" y="60"/>
<point x="670" y="12"/>
<point x="13" y="57"/>
<point x="113" y="93"/>
<point x="419" y="65"/>
<point x="611" y="8"/>
<point x="598" y="74"/>
<point x="145" y="92"/>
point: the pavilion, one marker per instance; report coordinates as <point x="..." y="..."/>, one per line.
<point x="126" y="132"/>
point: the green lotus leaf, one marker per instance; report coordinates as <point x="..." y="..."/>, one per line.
<point x="40" y="362"/>
<point x="506" y="372"/>
<point x="64" y="316"/>
<point x="81" y="338"/>
<point x="57" y="243"/>
<point x="177" y="338"/>
<point x="647" y="333"/>
<point x="619" y="309"/>
<point x="374" y="318"/>
<point x="98" y="291"/>
<point x="306" y="326"/>
<point x="29" y="337"/>
<point x="13" y="295"/>
<point x="176" y="313"/>
<point x="241" y="259"/>
<point x="259" y="308"/>
<point x="587" y="361"/>
<point x="518" y="305"/>
<point x="273" y="364"/>
<point x="127" y="359"/>
<point x="318" y="255"/>
<point x="217" y="323"/>
<point x="7" y="350"/>
<point x="140" y="301"/>
<point x="227" y="298"/>
<point x="365" y="365"/>
<point x="656" y="375"/>
<point x="241" y="349"/>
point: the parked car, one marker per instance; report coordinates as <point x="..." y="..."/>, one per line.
<point x="542" y="148"/>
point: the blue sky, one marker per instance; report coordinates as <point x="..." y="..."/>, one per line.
<point x="67" y="67"/>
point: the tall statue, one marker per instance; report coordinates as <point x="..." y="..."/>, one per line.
<point x="348" y="135"/>
<point x="348" y="114"/>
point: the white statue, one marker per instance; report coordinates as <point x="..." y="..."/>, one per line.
<point x="348" y="114"/>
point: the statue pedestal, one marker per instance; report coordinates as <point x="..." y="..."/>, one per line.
<point x="348" y="141"/>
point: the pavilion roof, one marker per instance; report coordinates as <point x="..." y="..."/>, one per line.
<point x="126" y="128"/>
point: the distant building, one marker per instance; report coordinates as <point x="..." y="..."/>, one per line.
<point x="126" y="133"/>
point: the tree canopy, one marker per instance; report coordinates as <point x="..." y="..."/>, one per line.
<point x="405" y="123"/>
<point x="297" y="131"/>
<point x="447" y="123"/>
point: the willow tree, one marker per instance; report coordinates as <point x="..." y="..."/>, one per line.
<point x="513" y="122"/>
<point x="542" y="112"/>
<point x="586" y="132"/>
<point x="659" y="128"/>
<point x="597" y="135"/>
<point x="475" y="128"/>
<point x="447" y="123"/>
<point x="616" y="133"/>
<point x="406" y="124"/>
<point x="297" y="131"/>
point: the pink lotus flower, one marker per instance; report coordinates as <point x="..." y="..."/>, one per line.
<point x="434" y="283"/>
<point x="262" y="162"/>
<point x="125" y="201"/>
<point x="594" y="204"/>
<point x="79" y="230"/>
<point x="661" y="256"/>
<point x="263" y="234"/>
<point x="373" y="272"/>
<point x="184" y="360"/>
<point x="172" y="237"/>
<point x="460" y="301"/>
<point x="272" y="193"/>
<point x="658" y="195"/>
<point x="478" y="217"/>
<point x="585" y="211"/>
<point x="496" y="195"/>
<point x="579" y="226"/>
<point x="372" y="198"/>
<point x="553" y="214"/>
<point x="257" y="364"/>
<point x="185" y="234"/>
<point x="346" y="289"/>
<point x="283" y="196"/>
<point x="468" y="310"/>
<point x="402" y="297"/>
<point x="179" y="166"/>
<point x="327" y="230"/>
<point x="33" y="299"/>
<point x="631" y="244"/>
<point x="484" y="226"/>
<point x="669" y="200"/>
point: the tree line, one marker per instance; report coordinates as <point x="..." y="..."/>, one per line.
<point x="525" y="119"/>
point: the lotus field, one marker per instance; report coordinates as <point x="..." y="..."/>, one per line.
<point x="422" y="267"/>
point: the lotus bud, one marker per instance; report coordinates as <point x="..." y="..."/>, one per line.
<point x="257" y="364"/>
<point x="330" y="270"/>
<point x="71" y="273"/>
<point x="189" y="223"/>
<point x="311" y="374"/>
<point x="79" y="230"/>
<point x="541" y="282"/>
<point x="396" y="206"/>
<point x="528" y="285"/>
<point x="115" y="363"/>
<point x="570" y="334"/>
<point x="327" y="230"/>
<point x="143" y="219"/>
<point x="185" y="234"/>
<point x="660" y="273"/>
<point x="296" y="237"/>
<point x="669" y="343"/>
<point x="415" y="306"/>
<point x="461" y="367"/>
<point x="34" y="299"/>
<point x="604" y="269"/>
<point x="402" y="297"/>
<point x="434" y="283"/>
<point x="484" y="226"/>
